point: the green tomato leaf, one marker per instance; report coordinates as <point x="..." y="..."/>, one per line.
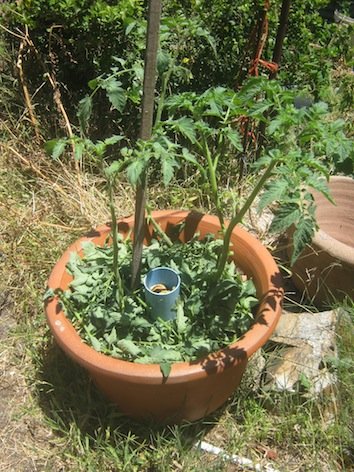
<point x="49" y="146"/>
<point x="321" y="186"/>
<point x="303" y="235"/>
<point x="167" y="169"/>
<point x="84" y="111"/>
<point x="209" y="38"/>
<point x="55" y="147"/>
<point x="273" y="193"/>
<point x="163" y="62"/>
<point x="234" y="138"/>
<point x="185" y="126"/>
<point x="251" y="88"/>
<point x="49" y="294"/>
<point x="161" y="354"/>
<point x="112" y="337"/>
<point x="128" y="346"/>
<point x="223" y="297"/>
<point x="94" y="83"/>
<point x="115" y="93"/>
<point x="319" y="108"/>
<point x="79" y="280"/>
<point x="113" y="140"/>
<point x="165" y="368"/>
<point x="95" y="343"/>
<point x="181" y="319"/>
<point x="136" y="169"/>
<point x="79" y="147"/>
<point x="114" y="169"/>
<point x="259" y="108"/>
<point x="284" y="217"/>
<point x="101" y="146"/>
<point x="274" y="125"/>
<point x="131" y="25"/>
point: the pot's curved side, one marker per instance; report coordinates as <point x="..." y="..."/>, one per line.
<point x="325" y="269"/>
<point x="194" y="389"/>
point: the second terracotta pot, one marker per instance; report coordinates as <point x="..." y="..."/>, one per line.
<point x="325" y="269"/>
<point x="193" y="389"/>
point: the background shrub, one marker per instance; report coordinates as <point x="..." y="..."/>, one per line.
<point x="79" y="40"/>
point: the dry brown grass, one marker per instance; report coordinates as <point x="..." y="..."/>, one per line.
<point x="42" y="209"/>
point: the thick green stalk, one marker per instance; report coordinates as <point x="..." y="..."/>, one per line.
<point x="116" y="273"/>
<point x="213" y="183"/>
<point x="157" y="227"/>
<point x="238" y="218"/>
<point x="161" y="102"/>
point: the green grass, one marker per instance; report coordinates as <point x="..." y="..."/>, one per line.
<point x="97" y="437"/>
<point x="345" y="370"/>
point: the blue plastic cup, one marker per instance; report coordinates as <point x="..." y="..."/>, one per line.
<point x="163" y="305"/>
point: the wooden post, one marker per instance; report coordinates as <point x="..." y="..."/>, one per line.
<point x="282" y="27"/>
<point x="152" y="41"/>
<point x="277" y="53"/>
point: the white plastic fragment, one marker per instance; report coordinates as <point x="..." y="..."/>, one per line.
<point x="238" y="460"/>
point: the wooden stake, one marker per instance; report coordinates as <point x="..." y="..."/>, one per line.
<point x="281" y="33"/>
<point x="152" y="42"/>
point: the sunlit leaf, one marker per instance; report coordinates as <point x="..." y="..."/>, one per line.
<point x="273" y="193"/>
<point x="185" y="126"/>
<point x="59" y="148"/>
<point x="128" y="346"/>
<point x="284" y="217"/>
<point x="181" y="319"/>
<point x="136" y="170"/>
<point x="165" y="368"/>
<point x="95" y="343"/>
<point x="84" y="111"/>
<point x="115" y="93"/>
<point x="167" y="168"/>
<point x="303" y="235"/>
<point x="79" y="149"/>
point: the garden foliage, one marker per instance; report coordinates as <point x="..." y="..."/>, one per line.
<point x="80" y="40"/>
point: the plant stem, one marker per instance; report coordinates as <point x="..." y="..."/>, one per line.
<point x="238" y="218"/>
<point x="157" y="227"/>
<point x="165" y="81"/>
<point x="213" y="183"/>
<point x="107" y="79"/>
<point x="116" y="273"/>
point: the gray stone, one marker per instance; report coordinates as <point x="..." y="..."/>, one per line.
<point x="255" y="368"/>
<point x="302" y="344"/>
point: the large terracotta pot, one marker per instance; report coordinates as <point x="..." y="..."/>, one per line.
<point x="325" y="269"/>
<point x="193" y="389"/>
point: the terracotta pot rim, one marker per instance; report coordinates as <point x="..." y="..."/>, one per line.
<point x="333" y="247"/>
<point x="327" y="243"/>
<point x="340" y="178"/>
<point x="266" y="320"/>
